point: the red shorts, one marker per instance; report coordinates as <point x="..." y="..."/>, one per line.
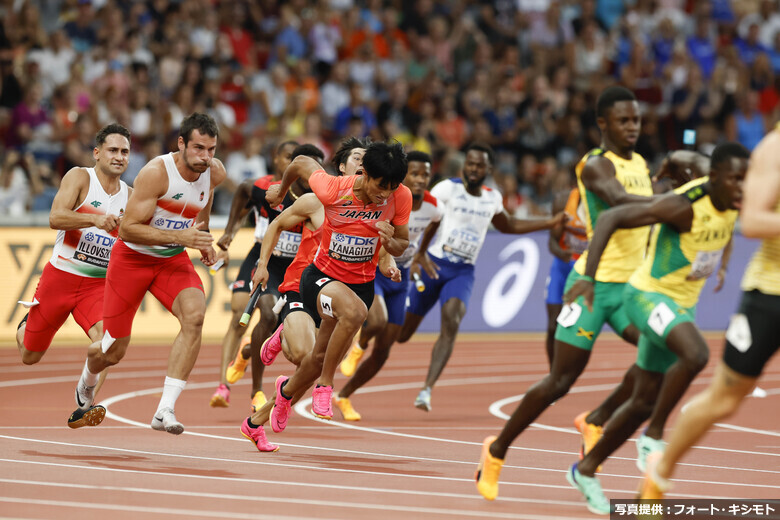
<point x="61" y="293"/>
<point x="130" y="274"/>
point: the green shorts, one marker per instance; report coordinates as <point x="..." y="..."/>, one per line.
<point x="655" y="315"/>
<point x="579" y="327"/>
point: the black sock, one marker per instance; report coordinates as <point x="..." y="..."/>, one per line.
<point x="281" y="389"/>
<point x="251" y="424"/>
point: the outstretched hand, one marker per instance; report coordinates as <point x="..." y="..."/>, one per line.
<point x="194" y="238"/>
<point x="582" y="288"/>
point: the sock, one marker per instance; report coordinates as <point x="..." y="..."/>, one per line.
<point x="281" y="389"/>
<point x="171" y="390"/>
<point x="88" y="377"/>
<point x="251" y="424"/>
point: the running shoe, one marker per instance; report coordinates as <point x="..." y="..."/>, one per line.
<point x="320" y="402"/>
<point x="653" y="487"/>
<point x="590" y="489"/>
<point x="258" y="400"/>
<point x="236" y="369"/>
<point x="85" y="396"/>
<point x="165" y="420"/>
<point x="272" y="346"/>
<point x="590" y="434"/>
<point x="345" y="405"/>
<point x="350" y="363"/>
<point x="644" y="447"/>
<point x="488" y="471"/>
<point x="423" y="401"/>
<point x="89" y="417"/>
<point x="281" y="410"/>
<point x="221" y="397"/>
<point x="257" y="436"/>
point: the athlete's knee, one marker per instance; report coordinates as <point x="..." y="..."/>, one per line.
<point x="31" y="357"/>
<point x="353" y="315"/>
<point x="555" y="387"/>
<point x="641" y="406"/>
<point x="192" y="317"/>
<point x="109" y="351"/>
<point x="695" y="359"/>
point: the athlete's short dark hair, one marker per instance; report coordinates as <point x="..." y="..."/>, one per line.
<point x="286" y="143"/>
<point x="386" y="162"/>
<point x="203" y="123"/>
<point x="482" y="147"/>
<point x="418" y="156"/>
<point x="724" y="152"/>
<point x="346" y="147"/>
<point x="610" y="96"/>
<point x="113" y="128"/>
<point x="309" y="150"/>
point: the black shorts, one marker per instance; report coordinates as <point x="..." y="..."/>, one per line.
<point x="276" y="268"/>
<point x="753" y="334"/>
<point x="312" y="282"/>
<point x="245" y="271"/>
<point x="293" y="303"/>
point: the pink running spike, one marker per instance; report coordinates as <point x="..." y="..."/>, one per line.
<point x="272" y="346"/>
<point x="281" y="410"/>
<point x="257" y="436"/>
<point x="321" y="402"/>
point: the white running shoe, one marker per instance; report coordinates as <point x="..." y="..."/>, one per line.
<point x="165" y="420"/>
<point x="85" y="396"/>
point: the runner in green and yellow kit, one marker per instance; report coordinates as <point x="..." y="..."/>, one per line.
<point x="694" y="224"/>
<point x="608" y="176"/>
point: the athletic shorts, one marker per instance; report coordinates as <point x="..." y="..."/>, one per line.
<point x="655" y="315"/>
<point x="60" y="293"/>
<point x="293" y="303"/>
<point x="246" y="270"/>
<point x="579" y="327"/>
<point x="753" y="334"/>
<point x="559" y="270"/>
<point x="394" y="294"/>
<point x="455" y="280"/>
<point x="131" y="274"/>
<point x="312" y="282"/>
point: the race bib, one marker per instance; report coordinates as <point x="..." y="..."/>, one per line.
<point x="326" y="304"/>
<point x="461" y="245"/>
<point x="705" y="263"/>
<point x="287" y="245"/>
<point x="94" y="249"/>
<point x="660" y="318"/>
<point x="738" y="333"/>
<point x="569" y="314"/>
<point x="352" y="249"/>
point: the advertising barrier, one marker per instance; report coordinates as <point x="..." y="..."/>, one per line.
<point x="508" y="294"/>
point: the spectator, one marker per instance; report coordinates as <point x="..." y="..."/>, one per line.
<point x="357" y="111"/>
<point x="747" y="125"/>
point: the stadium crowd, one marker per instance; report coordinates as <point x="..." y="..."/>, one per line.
<point x="521" y="75"/>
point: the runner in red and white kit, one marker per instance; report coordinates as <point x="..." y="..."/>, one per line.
<point x="232" y="370"/>
<point x="168" y="211"/>
<point x="362" y="213"/>
<point x="86" y="210"/>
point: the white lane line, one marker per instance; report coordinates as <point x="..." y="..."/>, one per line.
<point x="630" y="492"/>
<point x="260" y="498"/>
<point x="140" y="509"/>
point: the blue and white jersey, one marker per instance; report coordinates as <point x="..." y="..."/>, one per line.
<point x="465" y="221"/>
<point x="429" y="211"/>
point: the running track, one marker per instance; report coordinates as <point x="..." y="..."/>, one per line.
<point x="398" y="462"/>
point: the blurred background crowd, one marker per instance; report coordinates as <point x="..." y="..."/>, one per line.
<point x="521" y="75"/>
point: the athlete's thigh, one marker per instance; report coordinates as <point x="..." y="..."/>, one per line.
<point x="577" y="325"/>
<point x="89" y="303"/>
<point x="753" y="335"/>
<point x="56" y="297"/>
<point x="173" y="276"/>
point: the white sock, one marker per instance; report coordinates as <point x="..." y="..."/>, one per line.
<point x="171" y="390"/>
<point x="88" y="377"/>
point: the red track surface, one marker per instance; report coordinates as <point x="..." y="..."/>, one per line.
<point x="398" y="462"/>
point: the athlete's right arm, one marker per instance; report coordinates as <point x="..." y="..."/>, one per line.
<point x="301" y="211"/>
<point x="300" y="168"/>
<point x="238" y="210"/>
<point x="150" y="185"/>
<point x="598" y="176"/>
<point x="671" y="208"/>
<point x="556" y="232"/>
<point x="73" y="189"/>
<point x="762" y="190"/>
<point x="421" y="258"/>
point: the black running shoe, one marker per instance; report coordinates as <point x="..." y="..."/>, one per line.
<point x="90" y="417"/>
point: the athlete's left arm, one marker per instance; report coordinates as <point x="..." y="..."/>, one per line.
<point x="395" y="239"/>
<point x="762" y="190"/>
<point x="218" y="174"/>
<point x="302" y="167"/>
<point x="506" y="223"/>
<point x="671" y="209"/>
